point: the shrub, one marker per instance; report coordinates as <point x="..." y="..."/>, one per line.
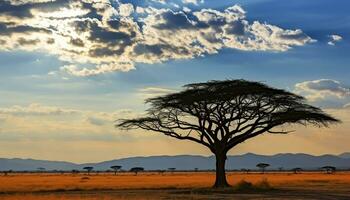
<point x="243" y="185"/>
<point x="248" y="186"/>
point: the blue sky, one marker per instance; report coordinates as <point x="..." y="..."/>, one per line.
<point x="39" y="80"/>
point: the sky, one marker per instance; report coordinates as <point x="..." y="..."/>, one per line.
<point x="69" y="69"/>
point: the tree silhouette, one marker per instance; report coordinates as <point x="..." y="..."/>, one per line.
<point x="41" y="169"/>
<point x="88" y="169"/>
<point x="223" y="114"/>
<point x="7" y="172"/>
<point x="262" y="166"/>
<point x="297" y="170"/>
<point x="161" y="171"/>
<point x="171" y="169"/>
<point x="116" y="168"/>
<point x="329" y="169"/>
<point x="136" y="170"/>
<point x="245" y="170"/>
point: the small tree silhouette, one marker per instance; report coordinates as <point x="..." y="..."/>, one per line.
<point x="136" y="170"/>
<point x="160" y="171"/>
<point x="329" y="169"/>
<point x="262" y="166"/>
<point x="245" y="170"/>
<point x="116" y="168"/>
<point x="41" y="169"/>
<point x="171" y="169"/>
<point x="297" y="170"/>
<point x="88" y="169"/>
<point x="222" y="114"/>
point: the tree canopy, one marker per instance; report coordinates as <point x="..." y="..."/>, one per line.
<point x="222" y="114"/>
<point x="230" y="111"/>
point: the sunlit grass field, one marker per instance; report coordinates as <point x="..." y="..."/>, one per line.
<point x="178" y="185"/>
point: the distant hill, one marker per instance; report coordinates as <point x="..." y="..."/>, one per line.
<point x="188" y="162"/>
<point x="345" y="155"/>
<point x="18" y="164"/>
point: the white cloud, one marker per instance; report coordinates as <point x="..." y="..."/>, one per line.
<point x="126" y="9"/>
<point x="160" y="1"/>
<point x="19" y="2"/>
<point x="99" y="69"/>
<point x="156" y="90"/>
<point x="186" y="9"/>
<point x="321" y="89"/>
<point x="195" y="2"/>
<point x="149" y="92"/>
<point x="94" y="37"/>
<point x="36" y="109"/>
<point x="37" y="121"/>
<point x="334" y="39"/>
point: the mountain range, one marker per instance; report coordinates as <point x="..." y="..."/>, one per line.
<point x="188" y="162"/>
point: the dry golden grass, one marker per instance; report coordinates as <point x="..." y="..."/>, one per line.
<point x="153" y="185"/>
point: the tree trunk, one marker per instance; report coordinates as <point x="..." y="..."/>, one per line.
<point x="220" y="181"/>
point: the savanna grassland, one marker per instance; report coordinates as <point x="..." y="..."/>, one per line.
<point x="176" y="185"/>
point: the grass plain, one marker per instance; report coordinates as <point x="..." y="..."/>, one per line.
<point x="178" y="185"/>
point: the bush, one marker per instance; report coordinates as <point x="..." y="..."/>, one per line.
<point x="243" y="185"/>
<point x="248" y="186"/>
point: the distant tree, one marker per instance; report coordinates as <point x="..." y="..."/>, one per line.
<point x="196" y="169"/>
<point x="88" y="169"/>
<point x="280" y="169"/>
<point x="116" y="168"/>
<point x="329" y="169"/>
<point x="160" y="171"/>
<point x="41" y="169"/>
<point x="297" y="170"/>
<point x="136" y="170"/>
<point x="75" y="171"/>
<point x="262" y="166"/>
<point x="171" y="169"/>
<point x="223" y="114"/>
<point x="245" y="170"/>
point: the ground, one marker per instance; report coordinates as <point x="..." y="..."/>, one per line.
<point x="178" y="185"/>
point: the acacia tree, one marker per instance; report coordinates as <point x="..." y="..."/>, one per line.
<point x="136" y="170"/>
<point x="88" y="169"/>
<point x="297" y="170"/>
<point x="171" y="169"/>
<point x="223" y="114"/>
<point x="41" y="169"/>
<point x="262" y="166"/>
<point x="329" y="169"/>
<point x="116" y="168"/>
